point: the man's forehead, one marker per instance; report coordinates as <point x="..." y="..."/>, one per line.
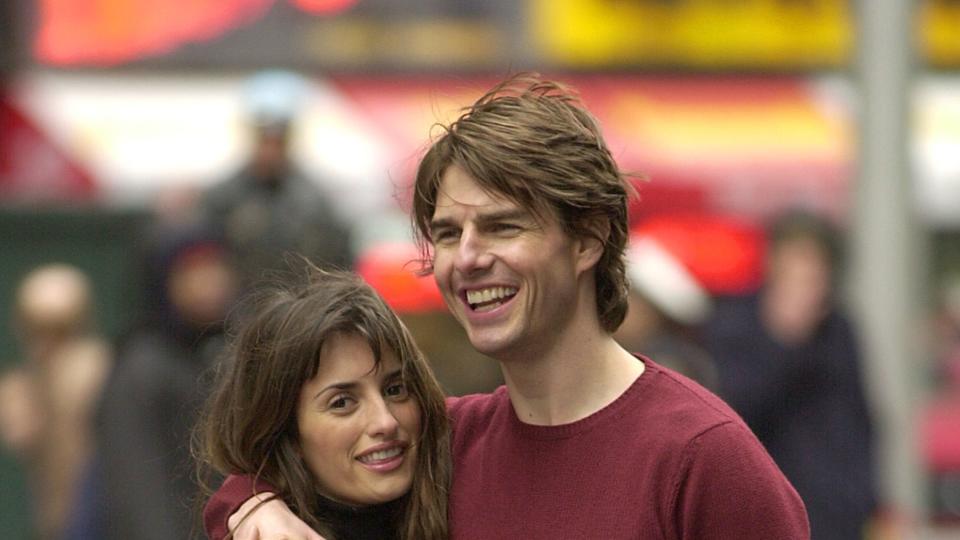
<point x="465" y="192"/>
<point x="458" y="189"/>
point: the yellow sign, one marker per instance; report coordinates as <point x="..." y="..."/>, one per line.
<point x="940" y="32"/>
<point x="751" y="34"/>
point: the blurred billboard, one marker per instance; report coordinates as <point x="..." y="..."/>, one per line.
<point x="468" y="34"/>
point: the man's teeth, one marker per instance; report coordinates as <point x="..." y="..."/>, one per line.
<point x="381" y="455"/>
<point x="489" y="295"/>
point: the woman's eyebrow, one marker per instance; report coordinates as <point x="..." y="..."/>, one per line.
<point x="395" y="374"/>
<point x="346" y="385"/>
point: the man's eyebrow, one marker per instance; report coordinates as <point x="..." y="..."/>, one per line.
<point x="510" y="214"/>
<point x="440" y="223"/>
<point x="505" y="215"/>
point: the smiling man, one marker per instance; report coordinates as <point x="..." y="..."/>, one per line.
<point x="522" y="215"/>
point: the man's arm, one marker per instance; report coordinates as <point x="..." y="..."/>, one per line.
<point x="730" y="488"/>
<point x="238" y="506"/>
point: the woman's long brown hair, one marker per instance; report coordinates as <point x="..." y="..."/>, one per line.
<point x="249" y="424"/>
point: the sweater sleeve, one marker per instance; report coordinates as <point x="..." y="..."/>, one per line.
<point x="730" y="488"/>
<point x="231" y="495"/>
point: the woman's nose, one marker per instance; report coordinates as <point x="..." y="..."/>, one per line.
<point x="381" y="420"/>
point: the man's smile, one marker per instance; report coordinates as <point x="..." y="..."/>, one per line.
<point x="489" y="298"/>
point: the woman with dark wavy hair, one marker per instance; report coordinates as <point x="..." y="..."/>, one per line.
<point x="325" y="399"/>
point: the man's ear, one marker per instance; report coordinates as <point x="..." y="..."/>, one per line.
<point x="591" y="242"/>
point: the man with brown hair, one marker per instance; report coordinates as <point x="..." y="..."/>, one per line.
<point x="522" y="215"/>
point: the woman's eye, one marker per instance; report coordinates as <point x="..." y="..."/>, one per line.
<point x="340" y="403"/>
<point x="397" y="390"/>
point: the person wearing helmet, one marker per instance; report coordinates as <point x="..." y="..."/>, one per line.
<point x="270" y="209"/>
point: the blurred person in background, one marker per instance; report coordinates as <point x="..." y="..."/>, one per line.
<point x="789" y="363"/>
<point x="147" y="488"/>
<point x="269" y="208"/>
<point x="47" y="403"/>
<point x="946" y="344"/>
<point x="665" y="307"/>
<point x="940" y="415"/>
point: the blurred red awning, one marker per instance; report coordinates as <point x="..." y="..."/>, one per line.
<point x="32" y="167"/>
<point x="750" y="146"/>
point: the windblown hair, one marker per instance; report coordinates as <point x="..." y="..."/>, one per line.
<point x="533" y="142"/>
<point x="249" y="426"/>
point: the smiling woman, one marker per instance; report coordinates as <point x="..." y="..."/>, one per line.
<point x="325" y="397"/>
<point x="358" y="424"/>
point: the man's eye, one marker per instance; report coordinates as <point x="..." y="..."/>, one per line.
<point x="444" y="235"/>
<point x="504" y="227"/>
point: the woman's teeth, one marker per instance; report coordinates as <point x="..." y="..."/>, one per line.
<point x="381" y="455"/>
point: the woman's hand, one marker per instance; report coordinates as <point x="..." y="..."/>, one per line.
<point x="271" y="520"/>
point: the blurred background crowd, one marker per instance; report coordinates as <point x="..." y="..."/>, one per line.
<point x="795" y="246"/>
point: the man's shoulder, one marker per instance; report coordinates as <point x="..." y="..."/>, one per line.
<point x="476" y="406"/>
<point x="679" y="405"/>
<point x="474" y="415"/>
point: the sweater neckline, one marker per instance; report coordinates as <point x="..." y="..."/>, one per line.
<point x="613" y="410"/>
<point x="361" y="522"/>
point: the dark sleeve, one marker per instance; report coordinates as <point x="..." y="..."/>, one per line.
<point x="140" y="468"/>
<point x="849" y="425"/>
<point x="327" y="238"/>
<point x="729" y="488"/>
<point x="231" y="495"/>
<point x="321" y="233"/>
<point x="757" y="377"/>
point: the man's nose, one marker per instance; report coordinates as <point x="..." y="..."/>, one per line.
<point x="473" y="253"/>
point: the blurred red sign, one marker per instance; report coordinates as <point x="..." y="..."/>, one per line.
<point x="104" y="32"/>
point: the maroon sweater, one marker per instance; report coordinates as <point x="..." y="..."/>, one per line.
<point x="667" y="459"/>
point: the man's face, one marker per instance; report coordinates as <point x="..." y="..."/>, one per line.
<point x="270" y="152"/>
<point x="798" y="288"/>
<point x="509" y="278"/>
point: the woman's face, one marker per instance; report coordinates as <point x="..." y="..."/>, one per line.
<point x="358" y="425"/>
